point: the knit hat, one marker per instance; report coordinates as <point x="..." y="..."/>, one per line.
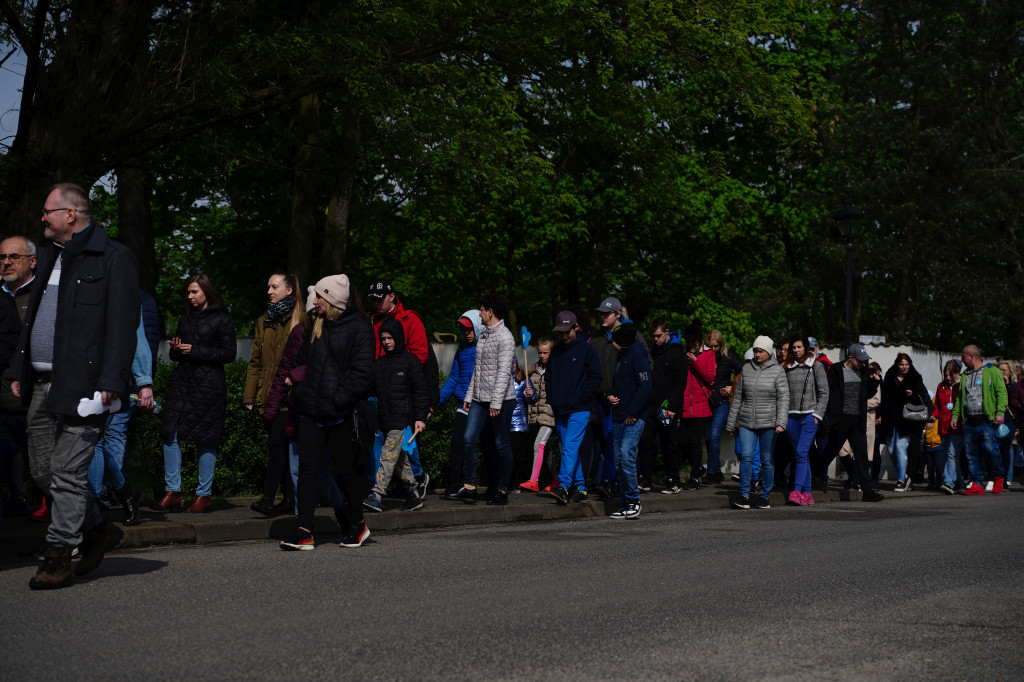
<point x="334" y="289"/>
<point x="310" y="298"/>
<point x="765" y="344"/>
<point x="624" y="335"/>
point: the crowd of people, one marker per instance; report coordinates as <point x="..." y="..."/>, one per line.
<point x="345" y="390"/>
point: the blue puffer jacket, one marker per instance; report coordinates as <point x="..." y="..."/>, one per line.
<point x="465" y="360"/>
<point x="519" y="420"/>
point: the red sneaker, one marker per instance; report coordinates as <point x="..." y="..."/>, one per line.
<point x="552" y="487"/>
<point x="530" y="485"/>
<point x="997" y="485"/>
<point x="974" y="489"/>
<point x="42" y="515"/>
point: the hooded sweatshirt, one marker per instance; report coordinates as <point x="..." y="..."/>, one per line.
<point x="573" y="376"/>
<point x="632" y="383"/>
<point x="398" y="383"/>
<point x="465" y="360"/>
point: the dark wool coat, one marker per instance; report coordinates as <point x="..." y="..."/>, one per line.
<point x="197" y="392"/>
<point x="338" y="366"/>
<point x="669" y="366"/>
<point x="97" y="317"/>
<point x="836" y="386"/>
<point x="398" y="383"/>
<point x="894" y="397"/>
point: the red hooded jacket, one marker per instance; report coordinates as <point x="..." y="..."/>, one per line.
<point x="415" y="334"/>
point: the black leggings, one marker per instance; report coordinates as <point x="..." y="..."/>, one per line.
<point x="346" y="462"/>
<point x="654" y="433"/>
<point x="278" y="472"/>
<point x="690" y="438"/>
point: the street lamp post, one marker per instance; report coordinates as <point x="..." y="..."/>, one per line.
<point x="847" y="218"/>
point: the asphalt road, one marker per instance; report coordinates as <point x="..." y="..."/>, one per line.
<point x="914" y="589"/>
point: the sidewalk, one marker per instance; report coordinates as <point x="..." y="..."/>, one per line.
<point x="232" y="520"/>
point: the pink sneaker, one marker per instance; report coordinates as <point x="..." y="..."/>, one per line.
<point x="808" y="499"/>
<point x="796" y="497"/>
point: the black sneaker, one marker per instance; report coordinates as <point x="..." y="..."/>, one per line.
<point x="356" y="535"/>
<point x="761" y="503"/>
<point x="671" y="488"/>
<point x="644" y="485"/>
<point x="580" y="496"/>
<point x="872" y="496"/>
<point x="603" y="490"/>
<point x="264" y="505"/>
<point x="694" y="483"/>
<point x="421" y="485"/>
<point x="466" y="495"/>
<point x="561" y="495"/>
<point x="412" y="501"/>
<point x="740" y="503"/>
<point x="714" y="479"/>
<point x="498" y="498"/>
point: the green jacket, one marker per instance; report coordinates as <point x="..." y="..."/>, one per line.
<point x="993" y="394"/>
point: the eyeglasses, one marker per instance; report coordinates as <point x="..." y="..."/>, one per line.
<point x="15" y="257"/>
<point x="48" y="211"/>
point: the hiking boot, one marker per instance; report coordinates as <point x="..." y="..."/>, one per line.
<point x="579" y="496"/>
<point x="55" y="572"/>
<point x="95" y="544"/>
<point x="301" y="540"/>
<point x="412" y="501"/>
<point x="356" y="535"/>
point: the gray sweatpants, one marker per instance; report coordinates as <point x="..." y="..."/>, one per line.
<point x="59" y="454"/>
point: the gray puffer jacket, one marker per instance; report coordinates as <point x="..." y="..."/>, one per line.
<point x="808" y="388"/>
<point x="761" y="398"/>
<point x="492" y="381"/>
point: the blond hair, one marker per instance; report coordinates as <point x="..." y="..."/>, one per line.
<point x="332" y="313"/>
<point x="715" y="335"/>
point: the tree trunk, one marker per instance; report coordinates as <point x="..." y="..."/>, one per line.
<point x="135" y="226"/>
<point x="306" y="127"/>
<point x="340" y="207"/>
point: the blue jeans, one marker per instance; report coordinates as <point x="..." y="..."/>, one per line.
<point x="980" y="442"/>
<point x="109" y="454"/>
<point x="499" y="466"/>
<point x="625" y="441"/>
<point x="749" y="439"/>
<point x="172" y="466"/>
<point x="897" y="444"/>
<point x="570" y="428"/>
<point x="1006" y="449"/>
<point x="713" y="437"/>
<point x="801" y="429"/>
<point x="755" y="460"/>
<point x="952" y="445"/>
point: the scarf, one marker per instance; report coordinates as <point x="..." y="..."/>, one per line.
<point x="280" y="311"/>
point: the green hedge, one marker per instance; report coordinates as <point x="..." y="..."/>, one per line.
<point x="242" y="457"/>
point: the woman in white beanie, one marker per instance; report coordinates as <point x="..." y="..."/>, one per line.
<point x="339" y="359"/>
<point x="760" y="409"/>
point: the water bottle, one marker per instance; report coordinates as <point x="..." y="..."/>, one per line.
<point x="662" y="417"/>
<point x="135" y="400"/>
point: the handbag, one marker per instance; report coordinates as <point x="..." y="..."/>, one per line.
<point x="915" y="410"/>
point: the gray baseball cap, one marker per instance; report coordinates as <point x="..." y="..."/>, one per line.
<point x="609" y="305"/>
<point x="858" y="351"/>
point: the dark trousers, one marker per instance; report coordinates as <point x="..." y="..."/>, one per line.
<point x="278" y="473"/>
<point x="690" y="437"/>
<point x="457" y="458"/>
<point x="849" y="428"/>
<point x="346" y="460"/>
<point x="654" y="433"/>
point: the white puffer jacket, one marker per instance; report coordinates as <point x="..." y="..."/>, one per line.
<point x="492" y="381"/>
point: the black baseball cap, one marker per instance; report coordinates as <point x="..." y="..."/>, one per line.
<point x="379" y="288"/>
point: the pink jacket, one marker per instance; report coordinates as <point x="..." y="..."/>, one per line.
<point x="698" y="385"/>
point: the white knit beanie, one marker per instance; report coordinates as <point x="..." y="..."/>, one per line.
<point x="334" y="290"/>
<point x="765" y="344"/>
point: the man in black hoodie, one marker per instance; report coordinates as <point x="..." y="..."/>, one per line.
<point x="401" y="403"/>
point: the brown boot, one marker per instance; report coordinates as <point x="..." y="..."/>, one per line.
<point x="201" y="505"/>
<point x="95" y="544"/>
<point x="171" y="501"/>
<point x="55" y="571"/>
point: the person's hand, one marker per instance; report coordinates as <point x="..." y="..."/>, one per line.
<point x="16" y="389"/>
<point x="630" y="421"/>
<point x="909" y="393"/>
<point x="107" y="397"/>
<point x="431" y="410"/>
<point x="816" y="421"/>
<point x="528" y="392"/>
<point x="174" y="342"/>
<point x="146" y="401"/>
<point x="247" y="406"/>
<point x="185" y="348"/>
<point x="494" y="412"/>
<point x="691" y="357"/>
<point x="726" y="391"/>
<point x="418" y="428"/>
<point x="670" y="415"/>
<point x="466" y="406"/>
<point x="999" y="419"/>
<point x="288" y="382"/>
<point x="878" y="421"/>
<point x="780" y="429"/>
<point x="612" y="400"/>
<point x="953" y="422"/>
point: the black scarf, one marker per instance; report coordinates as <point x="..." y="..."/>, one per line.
<point x="280" y="311"/>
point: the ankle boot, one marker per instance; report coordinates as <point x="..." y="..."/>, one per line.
<point x="55" y="571"/>
<point x="130" y="499"/>
<point x="201" y="505"/>
<point x="171" y="501"/>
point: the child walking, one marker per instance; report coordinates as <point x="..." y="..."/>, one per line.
<point x="540" y="413"/>
<point x="401" y="402"/>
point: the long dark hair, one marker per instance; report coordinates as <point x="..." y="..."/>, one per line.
<point x="894" y="371"/>
<point x="802" y="338"/>
<point x="213" y="299"/>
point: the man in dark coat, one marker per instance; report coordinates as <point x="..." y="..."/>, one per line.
<point x="77" y="342"/>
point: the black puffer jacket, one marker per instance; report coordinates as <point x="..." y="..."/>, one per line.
<point x="197" y="393"/>
<point x="669" y="366"/>
<point x="725" y="367"/>
<point x="339" y="367"/>
<point x="398" y="383"/>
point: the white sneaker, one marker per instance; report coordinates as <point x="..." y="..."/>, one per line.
<point x="633" y="510"/>
<point x="988" y="486"/>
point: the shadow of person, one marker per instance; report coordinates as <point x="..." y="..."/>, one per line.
<point x="116" y="565"/>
